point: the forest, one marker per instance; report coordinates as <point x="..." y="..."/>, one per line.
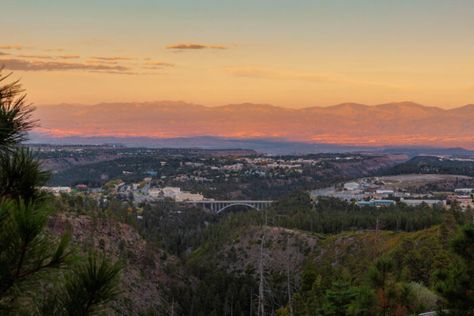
<point x="432" y="164"/>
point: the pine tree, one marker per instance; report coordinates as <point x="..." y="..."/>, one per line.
<point x="456" y="284"/>
<point x="27" y="254"/>
<point x="31" y="261"/>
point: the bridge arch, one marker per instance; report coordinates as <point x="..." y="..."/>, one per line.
<point x="218" y="206"/>
<point x="237" y="204"/>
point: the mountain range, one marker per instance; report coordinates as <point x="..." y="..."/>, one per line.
<point x="391" y="124"/>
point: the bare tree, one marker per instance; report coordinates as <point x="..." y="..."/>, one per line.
<point x="261" y="286"/>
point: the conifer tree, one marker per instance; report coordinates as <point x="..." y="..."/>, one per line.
<point x="456" y="284"/>
<point x="30" y="259"/>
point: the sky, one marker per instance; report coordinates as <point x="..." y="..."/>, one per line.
<point x="294" y="54"/>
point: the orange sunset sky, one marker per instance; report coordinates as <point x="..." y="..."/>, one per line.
<point x="287" y="53"/>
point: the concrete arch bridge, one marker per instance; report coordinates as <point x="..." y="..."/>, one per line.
<point x="220" y="206"/>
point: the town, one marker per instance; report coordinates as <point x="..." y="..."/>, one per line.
<point x="389" y="190"/>
<point x="203" y="175"/>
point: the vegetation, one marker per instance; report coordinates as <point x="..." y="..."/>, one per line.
<point x="353" y="269"/>
<point x="431" y="164"/>
<point x="31" y="260"/>
<point x="456" y="283"/>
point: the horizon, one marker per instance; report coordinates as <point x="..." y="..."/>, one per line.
<point x="162" y="102"/>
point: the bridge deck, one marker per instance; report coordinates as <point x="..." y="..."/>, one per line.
<point x="218" y="206"/>
<point x="229" y="201"/>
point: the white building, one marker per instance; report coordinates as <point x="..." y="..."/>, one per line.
<point x="186" y="196"/>
<point x="234" y="167"/>
<point x="171" y="192"/>
<point x="174" y="193"/>
<point x="464" y="191"/>
<point x="351" y="186"/>
<point x="384" y="192"/>
<point x="155" y="193"/>
<point x="57" y="190"/>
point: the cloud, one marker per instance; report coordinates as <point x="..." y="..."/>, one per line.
<point x="69" y="57"/>
<point x="116" y="72"/>
<point x="3" y="54"/>
<point x="26" y="65"/>
<point x="158" y="64"/>
<point x="113" y="58"/>
<point x="17" y="47"/>
<point x="35" y="56"/>
<point x="102" y="62"/>
<point x="193" y="46"/>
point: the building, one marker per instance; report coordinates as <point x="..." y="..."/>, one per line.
<point x="351" y="186"/>
<point x="171" y="192"/>
<point x="234" y="167"/>
<point x="186" y="196"/>
<point x="57" y="190"/>
<point x="384" y="192"/>
<point x="155" y="193"/>
<point x="81" y="187"/>
<point x="464" y="201"/>
<point x="464" y="191"/>
<point x="376" y="203"/>
<point x="174" y="193"/>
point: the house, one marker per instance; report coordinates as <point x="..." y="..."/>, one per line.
<point x="464" y="201"/>
<point x="57" y="190"/>
<point x="155" y="193"/>
<point x="171" y="192"/>
<point x="186" y="196"/>
<point x="351" y="186"/>
<point x="464" y="191"/>
<point x="81" y="187"/>
<point x="384" y="192"/>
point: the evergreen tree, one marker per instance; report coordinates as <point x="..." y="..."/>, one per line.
<point x="31" y="259"/>
<point x="456" y="284"/>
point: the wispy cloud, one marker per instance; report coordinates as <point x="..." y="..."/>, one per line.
<point x="36" y="56"/>
<point x="28" y="65"/>
<point x="158" y="64"/>
<point x="116" y="72"/>
<point x="102" y="62"/>
<point x="16" y="46"/>
<point x="194" y="46"/>
<point x="69" y="57"/>
<point x="112" y="58"/>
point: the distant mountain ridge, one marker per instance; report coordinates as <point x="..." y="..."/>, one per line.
<point x="401" y="123"/>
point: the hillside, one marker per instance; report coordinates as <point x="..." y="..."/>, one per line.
<point x="293" y="258"/>
<point x="241" y="251"/>
<point x="146" y="276"/>
<point x="352" y="251"/>
<point x="435" y="164"/>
